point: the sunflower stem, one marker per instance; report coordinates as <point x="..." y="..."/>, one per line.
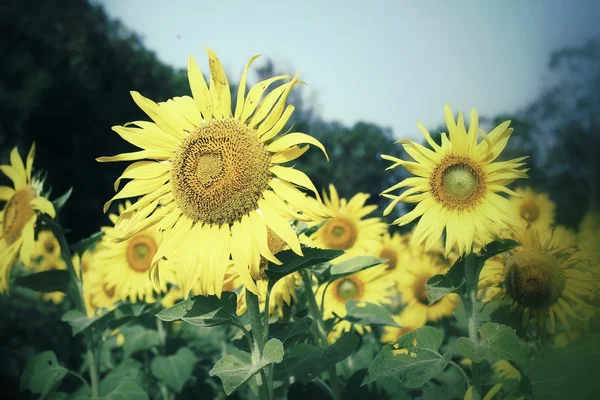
<point x="313" y="308"/>
<point x="94" y="377"/>
<point x="258" y="340"/>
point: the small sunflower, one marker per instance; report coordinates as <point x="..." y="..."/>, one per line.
<point x="456" y="185"/>
<point x="96" y="293"/>
<point x="19" y="216"/>
<point x="395" y="248"/>
<point x="125" y="265"/>
<point x="213" y="179"/>
<point x="534" y="208"/>
<point x="411" y="286"/>
<point x="543" y="278"/>
<point x="346" y="227"/>
<point x="505" y="370"/>
<point x="46" y="246"/>
<point x="370" y="285"/>
<point x="409" y="321"/>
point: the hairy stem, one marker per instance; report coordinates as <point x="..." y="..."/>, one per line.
<point x="258" y="340"/>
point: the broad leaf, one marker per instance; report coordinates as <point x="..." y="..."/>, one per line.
<point x="414" y="358"/>
<point x="234" y="372"/>
<point x="129" y="370"/>
<point x="353" y="265"/>
<point x="110" y="320"/>
<point x="306" y="362"/>
<point x="363" y="313"/>
<point x="204" y="310"/>
<point x="498" y="342"/>
<point x="174" y="370"/>
<point x="138" y="338"/>
<point x="127" y="391"/>
<point x="289" y="333"/>
<point x="439" y="286"/>
<point x="42" y="374"/>
<point x="291" y="262"/>
<point x="46" y="281"/>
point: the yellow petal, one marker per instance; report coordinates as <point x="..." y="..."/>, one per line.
<point x="292" y="139"/>
<point x="277" y="127"/>
<point x="279" y="107"/>
<point x="43" y="205"/>
<point x="28" y="241"/>
<point x="143" y="170"/>
<point x="289" y="154"/>
<point x="239" y="104"/>
<point x="29" y="161"/>
<point x="14" y="176"/>
<point x="165" y="121"/>
<point x="6" y="192"/>
<point x="194" y="260"/>
<point x="281" y="226"/>
<point x="259" y="232"/>
<point x="255" y="94"/>
<point x="138" y="155"/>
<point x="296" y="177"/>
<point x="138" y="187"/>
<point x="199" y="90"/>
<point x="219" y="88"/>
<point x="17" y="163"/>
<point x="189" y="110"/>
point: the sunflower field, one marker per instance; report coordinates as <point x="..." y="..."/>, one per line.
<point x="229" y="263"/>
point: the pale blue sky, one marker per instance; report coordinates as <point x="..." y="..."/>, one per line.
<point x="387" y="62"/>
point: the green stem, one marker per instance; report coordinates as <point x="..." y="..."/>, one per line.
<point x="463" y="373"/>
<point x="313" y="308"/>
<point x="94" y="377"/>
<point x="162" y="337"/>
<point x="258" y="340"/>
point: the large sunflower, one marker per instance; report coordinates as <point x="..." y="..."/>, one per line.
<point x="370" y="285"/>
<point x="19" y="216"/>
<point x="125" y="265"/>
<point x="346" y="227"/>
<point x="96" y="293"/>
<point x="543" y="278"/>
<point x="456" y="185"/>
<point x="534" y="208"/>
<point x="411" y="285"/>
<point x="213" y="179"/>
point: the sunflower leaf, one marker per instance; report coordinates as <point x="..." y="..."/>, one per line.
<point x="46" y="281"/>
<point x="438" y="286"/>
<point x="204" y="310"/>
<point x="306" y="362"/>
<point x="87" y="243"/>
<point x="61" y="200"/>
<point x="291" y="262"/>
<point x="414" y="357"/>
<point x="288" y="332"/>
<point x="174" y="370"/>
<point x="353" y="265"/>
<point x="363" y="313"/>
<point x="498" y="342"/>
<point x="110" y="320"/>
<point x="42" y="374"/>
<point x="127" y="391"/>
<point x="139" y="338"/>
<point x="234" y="372"/>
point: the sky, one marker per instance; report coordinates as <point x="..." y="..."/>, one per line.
<point x="388" y="62"/>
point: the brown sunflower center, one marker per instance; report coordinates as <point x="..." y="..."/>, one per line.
<point x="16" y="214"/>
<point x="109" y="292"/>
<point x="339" y="233"/>
<point x="347" y="289"/>
<point x="140" y="251"/>
<point x="392" y="258"/>
<point x="534" y="278"/>
<point x="419" y="290"/>
<point x="220" y="172"/>
<point x="457" y="182"/>
<point x="529" y="211"/>
<point x="49" y="246"/>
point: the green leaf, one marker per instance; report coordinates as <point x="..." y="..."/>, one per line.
<point x="234" y="372"/>
<point x="127" y="391"/>
<point x="363" y="313"/>
<point x="110" y="320"/>
<point x="569" y="372"/>
<point x="61" y="200"/>
<point x="87" y="243"/>
<point x="439" y="286"/>
<point x="293" y="262"/>
<point x="204" y="310"/>
<point x="289" y="333"/>
<point x="42" y="374"/>
<point x="138" y="338"/>
<point x="353" y="265"/>
<point x="128" y="370"/>
<point x="78" y="321"/>
<point x="46" y="281"/>
<point x="498" y="342"/>
<point x="306" y="362"/>
<point x="174" y="370"/>
<point x="414" y="358"/>
<point x="497" y="247"/>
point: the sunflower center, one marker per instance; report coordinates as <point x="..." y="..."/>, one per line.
<point x="419" y="290"/>
<point x="529" y="211"/>
<point x="49" y="246"/>
<point x="392" y="258"/>
<point x="108" y="292"/>
<point x="339" y="233"/>
<point x="140" y="251"/>
<point x="347" y="289"/>
<point x="534" y="279"/>
<point x="16" y="214"/>
<point x="457" y="182"/>
<point x="220" y="172"/>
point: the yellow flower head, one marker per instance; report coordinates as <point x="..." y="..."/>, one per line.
<point x="213" y="180"/>
<point x="533" y="208"/>
<point x="408" y="319"/>
<point x="505" y="370"/>
<point x="456" y="185"/>
<point x="96" y="292"/>
<point x="411" y="285"/>
<point x="544" y="279"/>
<point x="49" y="264"/>
<point x="19" y="216"/>
<point x="346" y="227"/>
<point x="126" y="265"/>
<point x="46" y="246"/>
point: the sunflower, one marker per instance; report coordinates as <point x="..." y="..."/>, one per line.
<point x="19" y="216"/>
<point x="505" y="370"/>
<point x="396" y="250"/>
<point x="46" y="246"/>
<point x="213" y="179"/>
<point x="125" y="265"/>
<point x="346" y="227"/>
<point x="456" y="185"/>
<point x="411" y="285"/>
<point x="96" y="293"/>
<point x="370" y="285"/>
<point x="409" y="321"/>
<point x="543" y="278"/>
<point x="534" y="208"/>
<point x="588" y="238"/>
